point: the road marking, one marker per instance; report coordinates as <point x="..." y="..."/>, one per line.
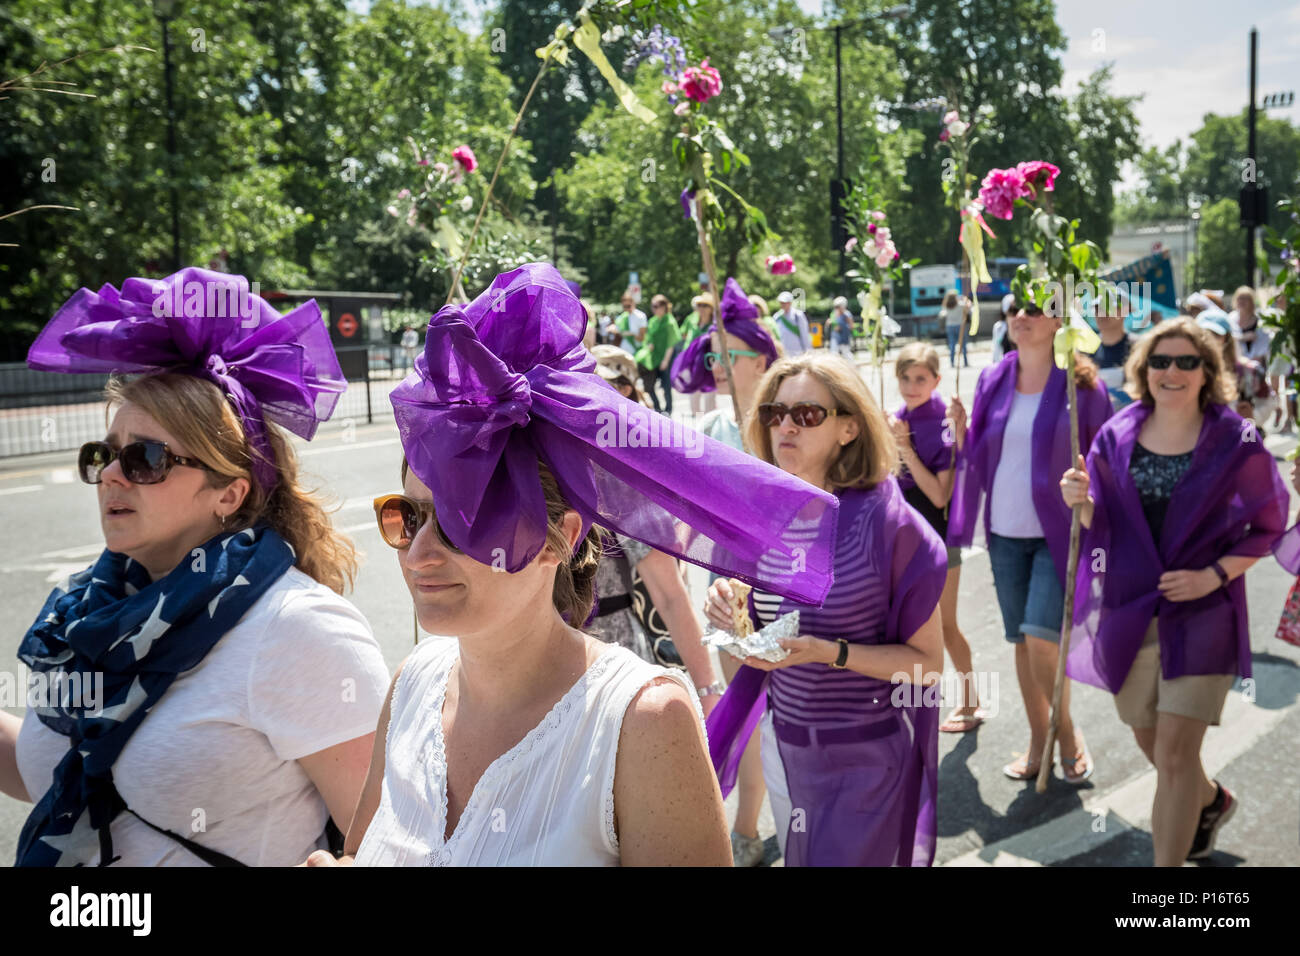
<point x="348" y="446"/>
<point x="1128" y="807"/>
<point x="21" y="489"/>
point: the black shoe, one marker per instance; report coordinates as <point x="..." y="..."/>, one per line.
<point x="1214" y="816"/>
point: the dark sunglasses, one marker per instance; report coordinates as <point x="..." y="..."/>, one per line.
<point x="803" y="414"/>
<point x="400" y="519"/>
<point x="143" y="462"/>
<point x="1188" y="363"/>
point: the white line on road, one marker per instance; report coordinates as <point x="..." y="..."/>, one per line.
<point x="1128" y="807"/>
<point x="21" y="489"/>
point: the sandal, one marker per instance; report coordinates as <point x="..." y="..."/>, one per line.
<point x="960" y="725"/>
<point x="1019" y="768"/>
<point x="1074" y="779"/>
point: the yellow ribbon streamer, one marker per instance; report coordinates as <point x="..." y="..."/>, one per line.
<point x="587" y="39"/>
<point x="972" y="240"/>
<point x="1074" y="336"/>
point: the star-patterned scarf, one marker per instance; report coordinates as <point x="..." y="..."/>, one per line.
<point x="140" y="635"/>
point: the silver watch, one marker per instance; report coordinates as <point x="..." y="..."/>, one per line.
<point x="717" y="687"/>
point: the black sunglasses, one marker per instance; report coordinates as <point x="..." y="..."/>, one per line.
<point x="1188" y="363"/>
<point x="400" y="519"/>
<point x="803" y="414"/>
<point x="143" y="462"/>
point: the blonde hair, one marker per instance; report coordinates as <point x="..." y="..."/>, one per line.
<point x="198" y="414"/>
<point x="1220" y="386"/>
<point x="867" y="459"/>
<point x="574" y="591"/>
<point x="917" y="353"/>
<point x="1245" y="290"/>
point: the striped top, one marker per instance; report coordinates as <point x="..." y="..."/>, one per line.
<point x="880" y="549"/>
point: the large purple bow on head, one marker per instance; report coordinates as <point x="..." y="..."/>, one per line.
<point x="210" y="325"/>
<point x="691" y="371"/>
<point x="504" y="383"/>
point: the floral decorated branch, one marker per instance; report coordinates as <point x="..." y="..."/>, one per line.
<point x="1285" y="319"/>
<point x="877" y="260"/>
<point x="1061" y="266"/>
<point x="436" y="202"/>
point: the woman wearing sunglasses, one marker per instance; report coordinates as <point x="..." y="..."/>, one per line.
<point x="700" y="370"/>
<point x="1014" y="452"/>
<point x="1180" y="499"/>
<point x="523" y="740"/>
<point x="239" y="690"/>
<point x="850" y="737"/>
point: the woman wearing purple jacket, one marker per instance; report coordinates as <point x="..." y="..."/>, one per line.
<point x="1179" y="498"/>
<point x="1014" y="453"/>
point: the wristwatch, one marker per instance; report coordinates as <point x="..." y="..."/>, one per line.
<point x="842" y="660"/>
<point x="1223" y="575"/>
<point x="717" y="687"/>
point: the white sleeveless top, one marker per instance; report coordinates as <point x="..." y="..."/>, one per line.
<point x="548" y="801"/>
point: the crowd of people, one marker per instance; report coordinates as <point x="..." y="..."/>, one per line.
<point x="567" y="710"/>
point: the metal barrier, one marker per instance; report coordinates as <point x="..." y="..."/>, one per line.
<point x="47" y="411"/>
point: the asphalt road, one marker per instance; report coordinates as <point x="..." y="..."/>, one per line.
<point x="51" y="528"/>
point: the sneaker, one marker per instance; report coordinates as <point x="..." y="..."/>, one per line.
<point x="746" y="851"/>
<point x="1214" y="816"/>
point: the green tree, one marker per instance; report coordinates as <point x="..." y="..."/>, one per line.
<point x="1220" y="259"/>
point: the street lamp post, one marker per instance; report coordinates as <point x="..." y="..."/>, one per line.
<point x="164" y="9"/>
<point x="839" y="187"/>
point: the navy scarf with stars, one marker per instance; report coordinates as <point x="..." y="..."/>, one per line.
<point x="140" y="635"/>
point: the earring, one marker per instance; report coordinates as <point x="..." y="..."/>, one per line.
<point x="223" y="522"/>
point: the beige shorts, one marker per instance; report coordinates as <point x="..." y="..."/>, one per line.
<point x="1146" y="692"/>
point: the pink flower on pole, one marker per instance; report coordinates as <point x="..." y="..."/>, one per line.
<point x="950" y="117"/>
<point x="465" y="156"/>
<point x="1039" y="173"/>
<point x="782" y="265"/>
<point x="682" y="108"/>
<point x="885" y="257"/>
<point x="1000" y="190"/>
<point x="878" y="216"/>
<point x="872" y="227"/>
<point x="848" y="246"/>
<point x="701" y="83"/>
<point x="404" y="194"/>
<point x="669" y="88"/>
<point x="943" y="135"/>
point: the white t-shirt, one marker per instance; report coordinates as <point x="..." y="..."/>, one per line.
<point x="548" y="801"/>
<point x="720" y="425"/>
<point x="800" y="340"/>
<point x="1258" y="349"/>
<point x="216" y="758"/>
<point x="1011" y="501"/>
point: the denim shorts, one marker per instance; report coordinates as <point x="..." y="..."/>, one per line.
<point x="1029" y="592"/>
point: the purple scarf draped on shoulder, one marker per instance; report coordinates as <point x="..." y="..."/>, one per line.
<point x="917" y="568"/>
<point x="1231" y="500"/>
<point x="933" y="443"/>
<point x="978" y="462"/>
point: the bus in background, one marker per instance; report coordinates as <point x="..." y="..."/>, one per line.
<point x="929" y="285"/>
<point x="1002" y="271"/>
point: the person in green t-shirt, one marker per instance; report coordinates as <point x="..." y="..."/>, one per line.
<point x="656" y="354"/>
<point x="701" y="318"/>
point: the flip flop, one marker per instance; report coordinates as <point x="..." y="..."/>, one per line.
<point x="1075" y="780"/>
<point x="961" y="725"/>
<point x="1030" y="773"/>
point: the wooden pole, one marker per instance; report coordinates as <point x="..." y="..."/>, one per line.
<point x="1071" y="566"/>
<point x="505" y="150"/>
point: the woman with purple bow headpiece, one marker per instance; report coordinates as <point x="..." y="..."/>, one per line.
<point x="522" y="740"/>
<point x="209" y="631"/>
<point x="849" y="731"/>
<point x="1178" y="498"/>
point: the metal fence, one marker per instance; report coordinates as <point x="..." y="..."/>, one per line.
<point x="48" y="411"/>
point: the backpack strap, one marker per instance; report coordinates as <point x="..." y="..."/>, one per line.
<point x="205" y="853"/>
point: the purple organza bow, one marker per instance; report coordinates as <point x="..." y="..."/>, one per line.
<point x="210" y="325"/>
<point x="505" y="382"/>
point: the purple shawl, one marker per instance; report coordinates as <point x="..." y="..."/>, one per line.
<point x="504" y="382"/>
<point x="978" y="462"/>
<point x="1231" y="500"/>
<point x="917" y="567"/>
<point x="1287" y="549"/>
<point x="690" y="373"/>
<point x="933" y="442"/>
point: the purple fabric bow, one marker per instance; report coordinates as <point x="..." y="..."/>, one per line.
<point x="209" y="325"/>
<point x="504" y="382"/>
<point x="690" y="370"/>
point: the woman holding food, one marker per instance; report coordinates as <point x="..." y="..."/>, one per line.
<point x="850" y="736"/>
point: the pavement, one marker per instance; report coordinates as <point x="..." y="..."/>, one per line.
<point x="51" y="528"/>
